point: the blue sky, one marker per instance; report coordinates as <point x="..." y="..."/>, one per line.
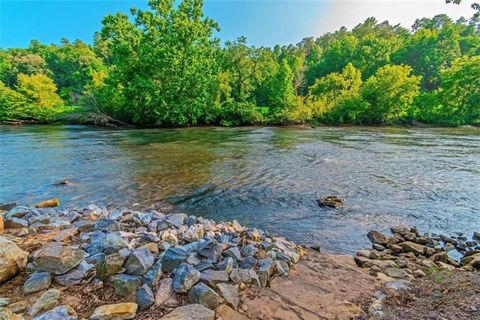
<point x="264" y="22"/>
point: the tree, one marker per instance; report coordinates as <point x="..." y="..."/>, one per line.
<point x="39" y="90"/>
<point x="390" y="94"/>
<point x="164" y="68"/>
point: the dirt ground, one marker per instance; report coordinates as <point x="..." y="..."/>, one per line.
<point x="439" y="296"/>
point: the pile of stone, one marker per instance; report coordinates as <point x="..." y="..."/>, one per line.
<point x="408" y="254"/>
<point x="188" y="266"/>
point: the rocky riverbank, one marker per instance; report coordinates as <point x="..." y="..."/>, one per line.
<point x="101" y="263"/>
<point x="104" y="263"/>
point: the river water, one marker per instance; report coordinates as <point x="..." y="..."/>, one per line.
<point x="263" y="177"/>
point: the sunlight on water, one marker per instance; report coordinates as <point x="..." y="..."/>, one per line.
<point x="265" y="177"/>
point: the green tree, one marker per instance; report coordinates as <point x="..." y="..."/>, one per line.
<point x="390" y="94"/>
<point x="39" y="90"/>
<point x="164" y="68"/>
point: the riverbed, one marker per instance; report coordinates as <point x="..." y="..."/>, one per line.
<point x="267" y="177"/>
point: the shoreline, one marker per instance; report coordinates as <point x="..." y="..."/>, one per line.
<point x="146" y="264"/>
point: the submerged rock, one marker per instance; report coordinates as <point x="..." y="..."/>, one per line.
<point x="330" y="201"/>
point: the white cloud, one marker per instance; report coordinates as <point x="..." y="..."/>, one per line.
<point x="349" y="13"/>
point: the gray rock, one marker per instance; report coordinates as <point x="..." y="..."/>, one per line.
<point x="58" y="313"/>
<point x="233" y="253"/>
<point x="190" y="312"/>
<point x="229" y="293"/>
<point x="185" y="277"/>
<point x="144" y="297"/>
<point x="47" y="301"/>
<point x="111" y="264"/>
<point x="204" y="295"/>
<point x="74" y="276"/>
<point x="164" y="292"/>
<point x="244" y="275"/>
<point x="56" y="258"/>
<point x="212" y="277"/>
<point x="396" y="273"/>
<point x="124" y="284"/>
<point x="37" y="281"/>
<point x="176" y="219"/>
<point x="226" y="264"/>
<point x="172" y="258"/>
<point x="282" y="268"/>
<point x="108" y="225"/>
<point x="249" y="250"/>
<point x="377" y="237"/>
<point x="203" y="265"/>
<point x="152" y="277"/>
<point x="210" y="249"/>
<point x="265" y="271"/>
<point x="248" y="263"/>
<point x="139" y="261"/>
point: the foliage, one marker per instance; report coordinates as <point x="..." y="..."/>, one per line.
<point x="163" y="66"/>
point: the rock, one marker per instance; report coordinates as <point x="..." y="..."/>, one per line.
<point x="212" y="277"/>
<point x="12" y="259"/>
<point x="107" y="225"/>
<point x="176" y="219"/>
<point x="226" y="264"/>
<point x="227" y="313"/>
<point x="124" y="284"/>
<point x="248" y="250"/>
<point x="47" y="301"/>
<point x="190" y="312"/>
<point x="330" y="201"/>
<point x="476" y="235"/>
<point x="210" y="249"/>
<point x="152" y="277"/>
<point x="50" y="203"/>
<point x="172" y="258"/>
<point x="111" y="264"/>
<point x="409" y="246"/>
<point x="56" y="258"/>
<point x="282" y="268"/>
<point x="4" y="302"/>
<point x="58" y="313"/>
<point x="377" y="237"/>
<point x="248" y="263"/>
<point x="244" y="275"/>
<point x="185" y="277"/>
<point x="139" y="261"/>
<point x="38" y="281"/>
<point x="144" y="297"/>
<point x="396" y="273"/>
<point x="18" y="307"/>
<point x="2" y="224"/>
<point x="15" y="223"/>
<point x="204" y="295"/>
<point x="265" y="271"/>
<point x="229" y="293"/>
<point x="74" y="276"/>
<point x="419" y="273"/>
<point x="233" y="253"/>
<point x="164" y="291"/>
<point x="203" y="265"/>
<point x="119" y="311"/>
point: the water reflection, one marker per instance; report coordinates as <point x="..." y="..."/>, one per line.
<point x="266" y="177"/>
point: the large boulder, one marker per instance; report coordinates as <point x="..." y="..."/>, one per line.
<point x="56" y="258"/>
<point x="119" y="311"/>
<point x="12" y="259"/>
<point x="190" y="312"/>
<point x="377" y="237"/>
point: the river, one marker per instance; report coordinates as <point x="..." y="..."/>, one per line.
<point x="264" y="177"/>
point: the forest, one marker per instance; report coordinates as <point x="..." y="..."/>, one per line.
<point x="165" y="67"/>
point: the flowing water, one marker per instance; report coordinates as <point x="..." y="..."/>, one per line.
<point x="264" y="177"/>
